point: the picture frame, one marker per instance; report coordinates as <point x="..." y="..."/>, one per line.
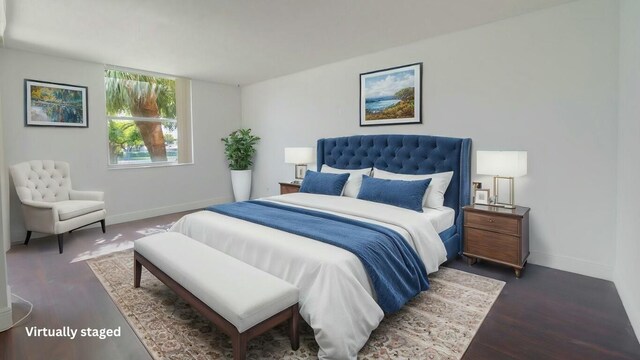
<point x="391" y="96"/>
<point x="482" y="197"/>
<point x="55" y="104"/>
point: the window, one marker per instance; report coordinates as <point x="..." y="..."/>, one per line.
<point x="149" y="119"/>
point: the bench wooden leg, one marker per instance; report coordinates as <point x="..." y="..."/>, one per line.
<point x="294" y="327"/>
<point x="137" y="273"/>
<point x="239" y="346"/>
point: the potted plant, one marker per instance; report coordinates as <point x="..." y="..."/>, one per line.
<point x="239" y="148"/>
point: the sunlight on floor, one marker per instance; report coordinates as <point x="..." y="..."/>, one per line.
<point x="103" y="250"/>
<point x="107" y="245"/>
<point x="155" y="230"/>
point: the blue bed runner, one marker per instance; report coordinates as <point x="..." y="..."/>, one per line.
<point x="397" y="273"/>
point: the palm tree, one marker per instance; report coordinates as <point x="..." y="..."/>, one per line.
<point x="136" y="95"/>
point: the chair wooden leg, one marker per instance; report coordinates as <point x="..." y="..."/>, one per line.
<point x="60" y="240"/>
<point x="103" y="226"/>
<point x="26" y="241"/>
<point x="137" y="273"/>
<point x="239" y="343"/>
<point x="294" y="327"/>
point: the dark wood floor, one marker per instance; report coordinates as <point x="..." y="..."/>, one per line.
<point x="547" y="314"/>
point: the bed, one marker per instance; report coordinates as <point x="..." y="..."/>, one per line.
<point x="336" y="294"/>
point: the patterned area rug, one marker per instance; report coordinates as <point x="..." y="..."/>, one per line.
<point x="437" y="324"/>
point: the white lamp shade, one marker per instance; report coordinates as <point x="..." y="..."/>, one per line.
<point x="502" y="163"/>
<point x="298" y="155"/>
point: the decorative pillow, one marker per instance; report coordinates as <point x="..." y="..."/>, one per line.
<point x="434" y="197"/>
<point x="401" y="193"/>
<point x="325" y="184"/>
<point x="355" y="178"/>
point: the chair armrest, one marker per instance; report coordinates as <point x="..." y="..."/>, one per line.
<point x="86" y="195"/>
<point x="40" y="216"/>
<point x="39" y="204"/>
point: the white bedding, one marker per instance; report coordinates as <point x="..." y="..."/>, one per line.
<point x="441" y="219"/>
<point x="336" y="298"/>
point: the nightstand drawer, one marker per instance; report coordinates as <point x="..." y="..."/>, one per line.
<point x="502" y="224"/>
<point x="492" y="245"/>
<point x="288" y="188"/>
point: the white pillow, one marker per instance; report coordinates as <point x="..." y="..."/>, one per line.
<point x="434" y="197"/>
<point x="352" y="188"/>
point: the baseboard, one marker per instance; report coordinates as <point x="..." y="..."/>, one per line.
<point x="143" y="214"/>
<point x="147" y="213"/>
<point x="571" y="264"/>
<point x="631" y="306"/>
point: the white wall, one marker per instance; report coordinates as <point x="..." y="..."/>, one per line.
<point x="545" y="82"/>
<point x="6" y="319"/>
<point x="129" y="193"/>
<point x="628" y="252"/>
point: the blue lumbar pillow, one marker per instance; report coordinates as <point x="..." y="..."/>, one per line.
<point x="401" y="193"/>
<point x="323" y="183"/>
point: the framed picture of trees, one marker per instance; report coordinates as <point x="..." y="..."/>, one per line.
<point x="391" y="96"/>
<point x="53" y="104"/>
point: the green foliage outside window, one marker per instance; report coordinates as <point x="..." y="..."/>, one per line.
<point x="140" y="96"/>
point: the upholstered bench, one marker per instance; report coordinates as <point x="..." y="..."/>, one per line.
<point x="239" y="299"/>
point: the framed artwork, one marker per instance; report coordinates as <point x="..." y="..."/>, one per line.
<point x="391" y="96"/>
<point x="476" y="185"/>
<point x="52" y="104"/>
<point x="481" y="197"/>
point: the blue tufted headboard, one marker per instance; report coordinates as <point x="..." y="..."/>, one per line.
<point x="409" y="154"/>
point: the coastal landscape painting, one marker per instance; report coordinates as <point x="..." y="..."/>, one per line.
<point x="52" y="104"/>
<point x="391" y="96"/>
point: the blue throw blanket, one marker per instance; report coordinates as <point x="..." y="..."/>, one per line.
<point x="397" y="273"/>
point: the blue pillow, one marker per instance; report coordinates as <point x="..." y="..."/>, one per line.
<point x="323" y="183"/>
<point x="401" y="193"/>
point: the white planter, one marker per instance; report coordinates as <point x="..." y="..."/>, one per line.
<point x="241" y="181"/>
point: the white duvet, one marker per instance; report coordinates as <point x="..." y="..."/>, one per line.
<point x="336" y="298"/>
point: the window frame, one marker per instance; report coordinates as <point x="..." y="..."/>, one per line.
<point x="186" y="126"/>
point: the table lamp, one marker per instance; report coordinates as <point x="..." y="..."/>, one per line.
<point x="502" y="165"/>
<point x="300" y="157"/>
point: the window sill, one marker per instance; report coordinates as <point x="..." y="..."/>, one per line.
<point x="145" y="166"/>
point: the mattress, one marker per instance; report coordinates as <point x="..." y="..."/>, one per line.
<point x="441" y="219"/>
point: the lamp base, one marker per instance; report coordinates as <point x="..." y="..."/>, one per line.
<point x="496" y="192"/>
<point x="506" y="206"/>
<point x="301" y="169"/>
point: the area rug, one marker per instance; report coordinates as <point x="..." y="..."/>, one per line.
<point x="437" y="324"/>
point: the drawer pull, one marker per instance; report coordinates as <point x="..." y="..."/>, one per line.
<point x="492" y="220"/>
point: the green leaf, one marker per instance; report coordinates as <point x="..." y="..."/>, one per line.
<point x="239" y="148"/>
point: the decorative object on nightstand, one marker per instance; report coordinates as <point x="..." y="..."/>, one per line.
<point x="288" y="188"/>
<point x="475" y="186"/>
<point x="502" y="165"/>
<point x="481" y="196"/>
<point x="300" y="157"/>
<point x="497" y="234"/>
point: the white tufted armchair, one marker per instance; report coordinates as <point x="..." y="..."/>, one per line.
<point x="49" y="204"/>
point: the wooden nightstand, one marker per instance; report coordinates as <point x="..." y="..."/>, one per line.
<point x="497" y="234"/>
<point x="288" y="188"/>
